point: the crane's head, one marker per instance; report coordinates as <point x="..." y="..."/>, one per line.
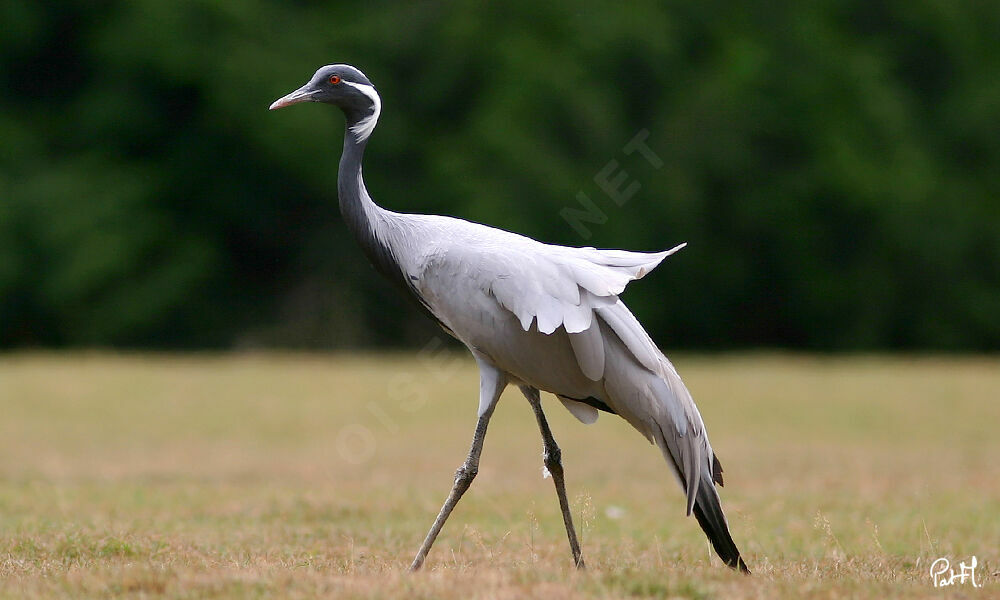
<point x="345" y="87"/>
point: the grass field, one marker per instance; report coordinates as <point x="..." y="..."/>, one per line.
<point x="303" y="476"/>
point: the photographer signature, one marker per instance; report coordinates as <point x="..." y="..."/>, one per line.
<point x="943" y="575"/>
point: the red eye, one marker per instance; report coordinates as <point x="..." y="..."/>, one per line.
<point x="334" y="79"/>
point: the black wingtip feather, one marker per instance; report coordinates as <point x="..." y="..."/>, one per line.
<point x="717" y="470"/>
<point x="722" y="541"/>
<point x="708" y="512"/>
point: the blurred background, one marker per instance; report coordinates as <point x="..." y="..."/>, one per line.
<point x="834" y="166"/>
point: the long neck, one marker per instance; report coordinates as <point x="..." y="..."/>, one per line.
<point x="371" y="225"/>
<point x="356" y="205"/>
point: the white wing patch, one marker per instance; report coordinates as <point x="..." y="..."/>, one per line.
<point x="563" y="286"/>
<point x="555" y="286"/>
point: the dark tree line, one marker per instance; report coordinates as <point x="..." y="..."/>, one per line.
<point x="834" y="166"/>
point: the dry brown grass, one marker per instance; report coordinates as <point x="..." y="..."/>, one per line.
<point x="305" y="476"/>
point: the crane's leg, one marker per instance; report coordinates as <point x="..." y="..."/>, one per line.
<point x="491" y="385"/>
<point x="552" y="458"/>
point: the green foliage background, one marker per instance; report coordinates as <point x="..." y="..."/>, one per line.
<point x="835" y="166"/>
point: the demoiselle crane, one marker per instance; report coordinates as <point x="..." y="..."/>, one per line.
<point x="535" y="315"/>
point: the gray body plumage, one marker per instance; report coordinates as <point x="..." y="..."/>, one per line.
<point x="539" y="316"/>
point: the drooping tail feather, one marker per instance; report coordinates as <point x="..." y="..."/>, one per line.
<point x="707" y="507"/>
<point x="643" y="387"/>
<point x="708" y="511"/>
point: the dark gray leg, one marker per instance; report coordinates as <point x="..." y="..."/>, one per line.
<point x="492" y="383"/>
<point x="552" y="458"/>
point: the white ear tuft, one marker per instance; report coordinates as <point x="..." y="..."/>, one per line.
<point x="364" y="127"/>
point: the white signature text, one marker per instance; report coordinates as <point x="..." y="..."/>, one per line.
<point x="943" y="575"/>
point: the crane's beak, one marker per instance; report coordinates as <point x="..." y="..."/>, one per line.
<point x="303" y="94"/>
